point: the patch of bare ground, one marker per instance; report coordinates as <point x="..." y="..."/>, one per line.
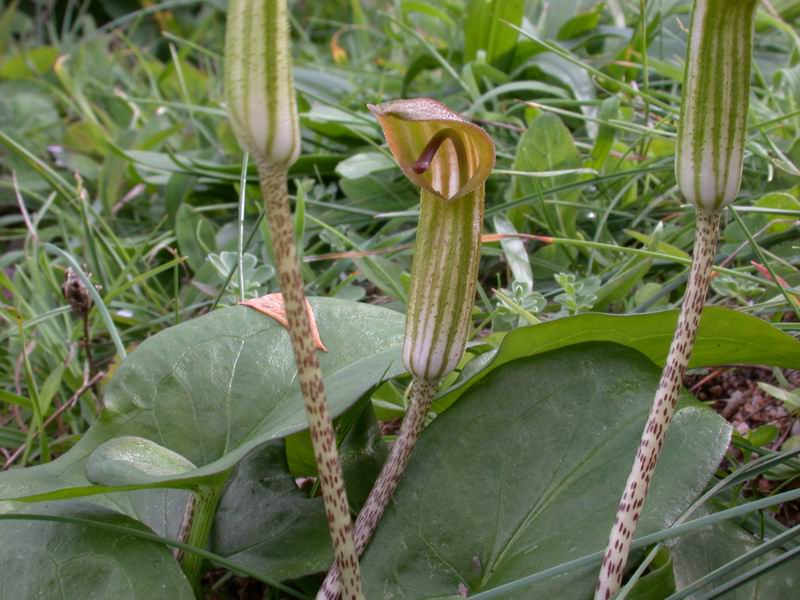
<point x="734" y="393"/>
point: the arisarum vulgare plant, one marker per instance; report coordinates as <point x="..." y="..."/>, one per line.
<point x="710" y="150"/>
<point x="450" y="159"/>
<point x="261" y="102"/>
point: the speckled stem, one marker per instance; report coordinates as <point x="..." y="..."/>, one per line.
<point x="443" y="279"/>
<point x="422" y="393"/>
<point x="195" y="529"/>
<point x="275" y="192"/>
<point x="630" y="507"/>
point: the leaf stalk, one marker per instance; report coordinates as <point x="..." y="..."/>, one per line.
<point x="195" y="529"/>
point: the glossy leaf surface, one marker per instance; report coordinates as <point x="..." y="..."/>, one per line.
<point x="523" y="473"/>
<point x="267" y="523"/>
<point x="211" y="390"/>
<point x="725" y="337"/>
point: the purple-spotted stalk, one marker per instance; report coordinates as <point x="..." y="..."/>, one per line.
<point x="708" y="167"/>
<point x="449" y="159"/>
<point x="261" y="101"/>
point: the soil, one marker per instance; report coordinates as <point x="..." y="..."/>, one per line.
<point x="734" y="393"/>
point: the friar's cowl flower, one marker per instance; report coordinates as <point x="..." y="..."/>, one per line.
<point x="263" y="111"/>
<point x="708" y="166"/>
<point x="450" y="159"/>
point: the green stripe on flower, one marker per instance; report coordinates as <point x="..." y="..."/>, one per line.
<point x="443" y="279"/>
<point x="450" y="159"/>
<point x="262" y="109"/>
<point x="259" y="88"/>
<point x="716" y="90"/>
<point x="711" y="139"/>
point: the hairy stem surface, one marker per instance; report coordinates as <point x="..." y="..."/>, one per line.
<point x="422" y="394"/>
<point x="276" y="201"/>
<point x="630" y="506"/>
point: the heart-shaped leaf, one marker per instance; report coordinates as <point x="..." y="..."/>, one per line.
<point x="53" y="561"/>
<point x="265" y="522"/>
<point x="211" y="390"/>
<point x="524" y="471"/>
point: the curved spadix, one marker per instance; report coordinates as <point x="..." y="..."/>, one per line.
<point x="461" y="154"/>
<point x="450" y="159"/>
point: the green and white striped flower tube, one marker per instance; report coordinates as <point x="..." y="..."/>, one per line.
<point x="711" y="136"/>
<point x="716" y="91"/>
<point x="259" y="88"/>
<point x="262" y="107"/>
<point x="450" y="159"/>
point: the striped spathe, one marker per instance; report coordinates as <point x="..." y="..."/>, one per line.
<point x="711" y="137"/>
<point x="443" y="279"/>
<point x="716" y="90"/>
<point x="450" y="159"/>
<point x="259" y="88"/>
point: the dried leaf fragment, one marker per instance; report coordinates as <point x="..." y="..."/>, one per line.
<point x="272" y="306"/>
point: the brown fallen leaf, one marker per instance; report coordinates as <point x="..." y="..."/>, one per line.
<point x="272" y="306"/>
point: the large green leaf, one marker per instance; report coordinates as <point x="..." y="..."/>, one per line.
<point x="57" y="561"/>
<point x="525" y="471"/>
<point x="265" y="522"/>
<point x="210" y="390"/>
<point x="725" y="337"/>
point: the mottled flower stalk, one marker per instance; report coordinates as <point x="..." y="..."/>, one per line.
<point x="261" y="103"/>
<point x="449" y="159"/>
<point x="711" y="137"/>
<point x="198" y="518"/>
